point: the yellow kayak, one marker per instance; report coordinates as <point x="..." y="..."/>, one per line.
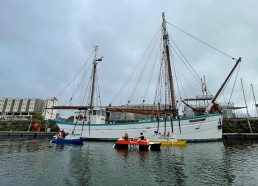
<point x="170" y="143"/>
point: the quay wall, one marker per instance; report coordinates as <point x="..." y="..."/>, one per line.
<point x="239" y="125"/>
<point x="16" y="125"/>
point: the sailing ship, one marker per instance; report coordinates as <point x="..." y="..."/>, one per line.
<point x="94" y="122"/>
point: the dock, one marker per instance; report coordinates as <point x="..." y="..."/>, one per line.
<point x="240" y="136"/>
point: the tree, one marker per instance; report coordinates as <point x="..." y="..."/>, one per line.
<point x="70" y="119"/>
<point x="38" y="116"/>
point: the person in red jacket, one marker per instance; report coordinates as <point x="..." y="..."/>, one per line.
<point x="36" y="126"/>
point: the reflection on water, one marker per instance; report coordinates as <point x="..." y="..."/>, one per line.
<point x="38" y="162"/>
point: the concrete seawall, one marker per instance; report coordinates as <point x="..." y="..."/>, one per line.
<point x="240" y="136"/>
<point x="21" y="134"/>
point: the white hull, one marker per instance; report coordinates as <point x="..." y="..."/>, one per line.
<point x="200" y="128"/>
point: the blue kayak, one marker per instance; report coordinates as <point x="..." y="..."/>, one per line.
<point x="78" y="141"/>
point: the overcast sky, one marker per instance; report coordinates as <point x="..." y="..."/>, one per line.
<point x="44" y="43"/>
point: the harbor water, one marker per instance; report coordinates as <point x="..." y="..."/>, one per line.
<point x="38" y="162"/>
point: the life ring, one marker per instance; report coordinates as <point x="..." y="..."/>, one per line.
<point x="59" y="135"/>
<point x="80" y="117"/>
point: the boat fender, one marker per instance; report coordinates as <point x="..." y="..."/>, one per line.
<point x="220" y="124"/>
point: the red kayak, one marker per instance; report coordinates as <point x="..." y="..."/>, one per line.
<point x="137" y="144"/>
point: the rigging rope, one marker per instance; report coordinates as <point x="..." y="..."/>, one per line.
<point x="158" y="89"/>
<point x="82" y="87"/>
<point x="75" y="75"/>
<point x="134" y="70"/>
<point x="97" y="89"/>
<point x="151" y="75"/>
<point x="72" y="93"/>
<point x="144" y="67"/>
<point x="191" y="69"/>
<point x="220" y="51"/>
<point x="234" y="84"/>
<point x="176" y="76"/>
<point x="176" y="67"/>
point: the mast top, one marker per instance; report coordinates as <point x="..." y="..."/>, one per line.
<point x="163" y="15"/>
<point x="95" y="62"/>
<point x="164" y="21"/>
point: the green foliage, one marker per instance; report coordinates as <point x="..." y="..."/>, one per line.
<point x="38" y="117"/>
<point x="70" y="119"/>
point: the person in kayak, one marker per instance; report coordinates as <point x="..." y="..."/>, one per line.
<point x="126" y="137"/>
<point x="141" y="136"/>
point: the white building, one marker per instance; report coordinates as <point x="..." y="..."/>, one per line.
<point x="17" y="106"/>
<point x="50" y="113"/>
<point x="25" y="106"/>
<point x="9" y="106"/>
<point x="3" y="102"/>
<point x="36" y="105"/>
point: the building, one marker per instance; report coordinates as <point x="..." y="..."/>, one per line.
<point x="25" y="106"/>
<point x="36" y="105"/>
<point x="15" y="108"/>
<point x="50" y="113"/>
<point x="3" y="102"/>
<point x="9" y="106"/>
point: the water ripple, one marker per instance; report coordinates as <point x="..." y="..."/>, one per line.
<point x="37" y="162"/>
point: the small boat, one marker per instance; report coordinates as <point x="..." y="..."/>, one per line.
<point x="68" y="140"/>
<point x="168" y="141"/>
<point x="137" y="144"/>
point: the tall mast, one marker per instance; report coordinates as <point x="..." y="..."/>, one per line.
<point x="95" y="62"/>
<point x="226" y="80"/>
<point x="208" y="109"/>
<point x="167" y="60"/>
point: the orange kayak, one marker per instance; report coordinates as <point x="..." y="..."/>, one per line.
<point x="137" y="144"/>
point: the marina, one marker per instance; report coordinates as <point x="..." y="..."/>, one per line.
<point x="33" y="162"/>
<point x="128" y="93"/>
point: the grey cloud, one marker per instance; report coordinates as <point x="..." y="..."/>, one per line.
<point x="44" y="43"/>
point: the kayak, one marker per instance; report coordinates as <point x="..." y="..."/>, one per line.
<point x="74" y="141"/>
<point x="137" y="144"/>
